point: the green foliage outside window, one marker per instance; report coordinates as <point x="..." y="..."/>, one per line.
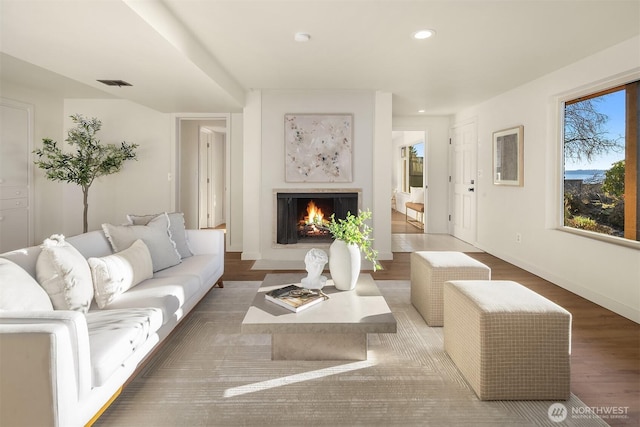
<point x="614" y="179"/>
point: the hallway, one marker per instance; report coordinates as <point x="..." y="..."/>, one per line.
<point x="408" y="238"/>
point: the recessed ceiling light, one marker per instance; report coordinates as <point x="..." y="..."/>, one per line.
<point x="423" y="34"/>
<point x="302" y="37"/>
<point x="420" y="111"/>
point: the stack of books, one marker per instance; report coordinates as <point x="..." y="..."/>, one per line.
<point x="295" y="298"/>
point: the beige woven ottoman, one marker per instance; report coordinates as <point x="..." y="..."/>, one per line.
<point x="429" y="271"/>
<point x="507" y="341"/>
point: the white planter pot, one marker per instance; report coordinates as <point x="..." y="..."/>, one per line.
<point x="344" y="264"/>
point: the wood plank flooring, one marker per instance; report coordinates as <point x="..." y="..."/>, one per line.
<point x="605" y="367"/>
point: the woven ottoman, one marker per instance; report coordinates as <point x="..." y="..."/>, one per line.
<point x="429" y="271"/>
<point x="507" y="341"/>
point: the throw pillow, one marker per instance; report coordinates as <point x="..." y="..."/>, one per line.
<point x="177" y="230"/>
<point x="19" y="291"/>
<point x="115" y="274"/>
<point x="64" y="274"/>
<point x="416" y="194"/>
<point x="155" y="235"/>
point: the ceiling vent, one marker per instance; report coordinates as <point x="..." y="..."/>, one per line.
<point x="118" y="83"/>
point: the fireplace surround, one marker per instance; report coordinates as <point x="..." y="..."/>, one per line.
<point x="302" y="215"/>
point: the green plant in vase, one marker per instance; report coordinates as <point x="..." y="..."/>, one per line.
<point x="353" y="230"/>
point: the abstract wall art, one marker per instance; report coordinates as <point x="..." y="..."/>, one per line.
<point x="318" y="147"/>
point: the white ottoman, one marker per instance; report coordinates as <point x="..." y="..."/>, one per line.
<point x="507" y="341"/>
<point x="429" y="271"/>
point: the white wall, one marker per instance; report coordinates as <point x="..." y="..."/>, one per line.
<point x="188" y="171"/>
<point x="234" y="183"/>
<point x="58" y="206"/>
<point x="382" y="175"/>
<point x="264" y="167"/>
<point x="251" y="175"/>
<point x="148" y="189"/>
<point x="605" y="273"/>
<point x="436" y="129"/>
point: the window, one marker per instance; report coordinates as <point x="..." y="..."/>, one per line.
<point x="413" y="166"/>
<point x="600" y="145"/>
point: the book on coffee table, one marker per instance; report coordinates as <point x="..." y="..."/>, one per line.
<point x="295" y="298"/>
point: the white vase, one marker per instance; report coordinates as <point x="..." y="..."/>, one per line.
<point x="344" y="264"/>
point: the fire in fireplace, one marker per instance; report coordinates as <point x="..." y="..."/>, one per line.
<point x="315" y="224"/>
<point x="305" y="217"/>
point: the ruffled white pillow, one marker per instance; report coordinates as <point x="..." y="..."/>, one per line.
<point x="64" y="274"/>
<point x="115" y="274"/>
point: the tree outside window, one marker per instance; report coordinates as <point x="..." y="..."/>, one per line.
<point x="601" y="162"/>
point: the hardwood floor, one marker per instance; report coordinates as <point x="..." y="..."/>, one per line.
<point x="605" y="361"/>
<point x="399" y="224"/>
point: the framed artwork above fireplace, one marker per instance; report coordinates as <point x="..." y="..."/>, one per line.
<point x="318" y="147"/>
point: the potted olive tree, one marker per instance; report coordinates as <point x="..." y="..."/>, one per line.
<point x="89" y="161"/>
<point x="351" y="238"/>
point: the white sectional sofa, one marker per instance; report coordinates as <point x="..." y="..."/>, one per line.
<point x="60" y="367"/>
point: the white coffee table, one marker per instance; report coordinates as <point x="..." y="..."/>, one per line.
<point x="335" y="329"/>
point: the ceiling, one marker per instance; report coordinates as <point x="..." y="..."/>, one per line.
<point x="203" y="55"/>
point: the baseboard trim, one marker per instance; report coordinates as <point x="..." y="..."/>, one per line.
<point x="595" y="297"/>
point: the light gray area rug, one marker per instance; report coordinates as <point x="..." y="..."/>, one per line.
<point x="209" y="374"/>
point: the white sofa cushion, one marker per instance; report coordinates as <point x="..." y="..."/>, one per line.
<point x="117" y="273"/>
<point x="177" y="230"/>
<point x="169" y="294"/>
<point x="114" y="335"/>
<point x="155" y="235"/>
<point x="19" y="291"/>
<point x="64" y="273"/>
<point x="205" y="267"/>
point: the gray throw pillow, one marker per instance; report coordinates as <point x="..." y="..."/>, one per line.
<point x="177" y="230"/>
<point x="155" y="235"/>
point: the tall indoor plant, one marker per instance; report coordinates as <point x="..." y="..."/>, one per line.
<point x="351" y="237"/>
<point x="89" y="161"/>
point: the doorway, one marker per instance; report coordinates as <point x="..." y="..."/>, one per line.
<point x="202" y="170"/>
<point x="409" y="182"/>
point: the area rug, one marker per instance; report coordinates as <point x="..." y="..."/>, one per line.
<point x="210" y="374"/>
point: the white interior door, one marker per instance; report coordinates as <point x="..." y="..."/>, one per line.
<point x="204" y="179"/>
<point x="463" y="178"/>
<point x="218" y="174"/>
<point x="16" y="194"/>
<point x="211" y="178"/>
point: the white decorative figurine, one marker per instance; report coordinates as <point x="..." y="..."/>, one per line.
<point x="315" y="261"/>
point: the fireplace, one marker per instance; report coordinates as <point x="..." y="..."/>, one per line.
<point x="304" y="217"/>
